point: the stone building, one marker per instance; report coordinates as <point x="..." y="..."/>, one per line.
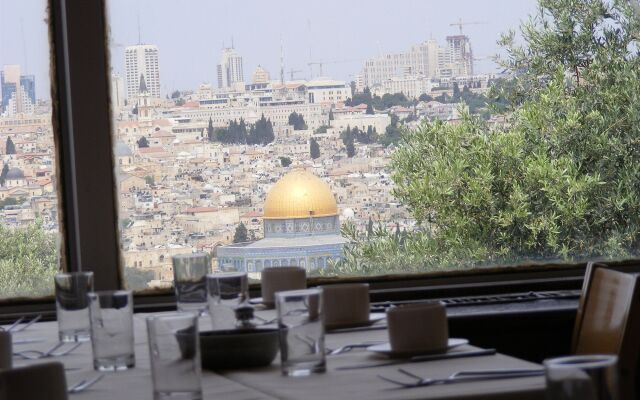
<point x="301" y="228"/>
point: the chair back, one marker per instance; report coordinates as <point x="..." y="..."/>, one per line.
<point x="34" y="382"/>
<point x="6" y="352"/>
<point x="608" y="321"/>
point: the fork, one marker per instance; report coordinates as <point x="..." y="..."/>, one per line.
<point x="48" y="353"/>
<point x="462" y="376"/>
<point x="84" y="384"/>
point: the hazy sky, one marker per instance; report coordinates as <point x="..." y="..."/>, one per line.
<point x="190" y="33"/>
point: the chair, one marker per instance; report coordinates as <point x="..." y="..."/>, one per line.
<point x="6" y="346"/>
<point x="35" y="382"/>
<point x="608" y="321"/>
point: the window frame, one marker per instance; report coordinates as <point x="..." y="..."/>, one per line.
<point x="82" y="128"/>
<point x="81" y="104"/>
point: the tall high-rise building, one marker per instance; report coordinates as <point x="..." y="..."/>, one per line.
<point x="230" y="68"/>
<point x="425" y="60"/>
<point x="460" y="56"/>
<point x="142" y="59"/>
<point x="421" y="59"/>
<point x="18" y="91"/>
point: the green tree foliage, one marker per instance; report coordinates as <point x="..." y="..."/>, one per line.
<point x="285" y="161"/>
<point x="137" y="279"/>
<point x="351" y="148"/>
<point x="392" y="133"/>
<point x="175" y="94"/>
<point x="365" y="137"/>
<point x="239" y="133"/>
<point x="3" y="174"/>
<point x="314" y="149"/>
<point x="180" y="102"/>
<point x="477" y="103"/>
<point x="390" y="100"/>
<point x="382" y="251"/>
<point x="262" y="132"/>
<point x="348" y="139"/>
<point x="9" y="201"/>
<point x="10" y="147"/>
<point x="28" y="261"/>
<point x="369" y="109"/>
<point x="456" y="93"/>
<point x="210" y="131"/>
<point x="142" y="142"/>
<point x="235" y="133"/>
<point x="241" y="234"/>
<point x="363" y="97"/>
<point x="322" y="129"/>
<point x="560" y="181"/>
<point x="297" y="121"/>
<point x="149" y="180"/>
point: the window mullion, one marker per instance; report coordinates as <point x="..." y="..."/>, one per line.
<point x="84" y="145"/>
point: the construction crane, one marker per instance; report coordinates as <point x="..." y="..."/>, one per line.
<point x="318" y="63"/>
<point x="293" y="71"/>
<point x="460" y="24"/>
<point x="321" y="63"/>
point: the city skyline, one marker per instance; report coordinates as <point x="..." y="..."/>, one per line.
<point x="190" y="50"/>
<point x="331" y="31"/>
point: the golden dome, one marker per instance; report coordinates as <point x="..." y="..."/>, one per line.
<point x="299" y="194"/>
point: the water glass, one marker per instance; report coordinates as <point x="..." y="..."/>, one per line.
<point x="225" y="292"/>
<point x="190" y="281"/>
<point x="72" y="305"/>
<point x="112" y="330"/>
<point x="586" y="377"/>
<point x="174" y="352"/>
<point x="301" y="329"/>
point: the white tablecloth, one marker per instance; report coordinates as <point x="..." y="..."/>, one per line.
<point x="268" y="383"/>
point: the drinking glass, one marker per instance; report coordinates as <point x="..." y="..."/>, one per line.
<point x="225" y="292"/>
<point x="72" y="305"/>
<point x="585" y="377"/>
<point x="301" y="331"/>
<point x="174" y="352"/>
<point x="190" y="281"/>
<point x="112" y="330"/>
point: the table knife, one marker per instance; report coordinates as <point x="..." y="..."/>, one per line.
<point x="431" y="357"/>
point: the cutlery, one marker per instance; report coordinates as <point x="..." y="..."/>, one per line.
<point x="15" y="327"/>
<point x="374" y="327"/>
<point x="37" y="354"/>
<point x="432" y="357"/>
<point x="350" y="347"/>
<point x="28" y="324"/>
<point x="84" y="384"/>
<point x="463" y="376"/>
<point x="16" y="323"/>
<point x="28" y="340"/>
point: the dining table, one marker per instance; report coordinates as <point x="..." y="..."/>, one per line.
<point x="338" y="382"/>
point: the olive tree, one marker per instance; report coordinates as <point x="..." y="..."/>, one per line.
<point x="560" y="180"/>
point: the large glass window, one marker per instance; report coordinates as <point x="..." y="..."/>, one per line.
<point x="357" y="139"/>
<point x="29" y="231"/>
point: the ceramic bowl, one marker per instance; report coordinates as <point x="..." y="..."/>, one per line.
<point x="233" y="349"/>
